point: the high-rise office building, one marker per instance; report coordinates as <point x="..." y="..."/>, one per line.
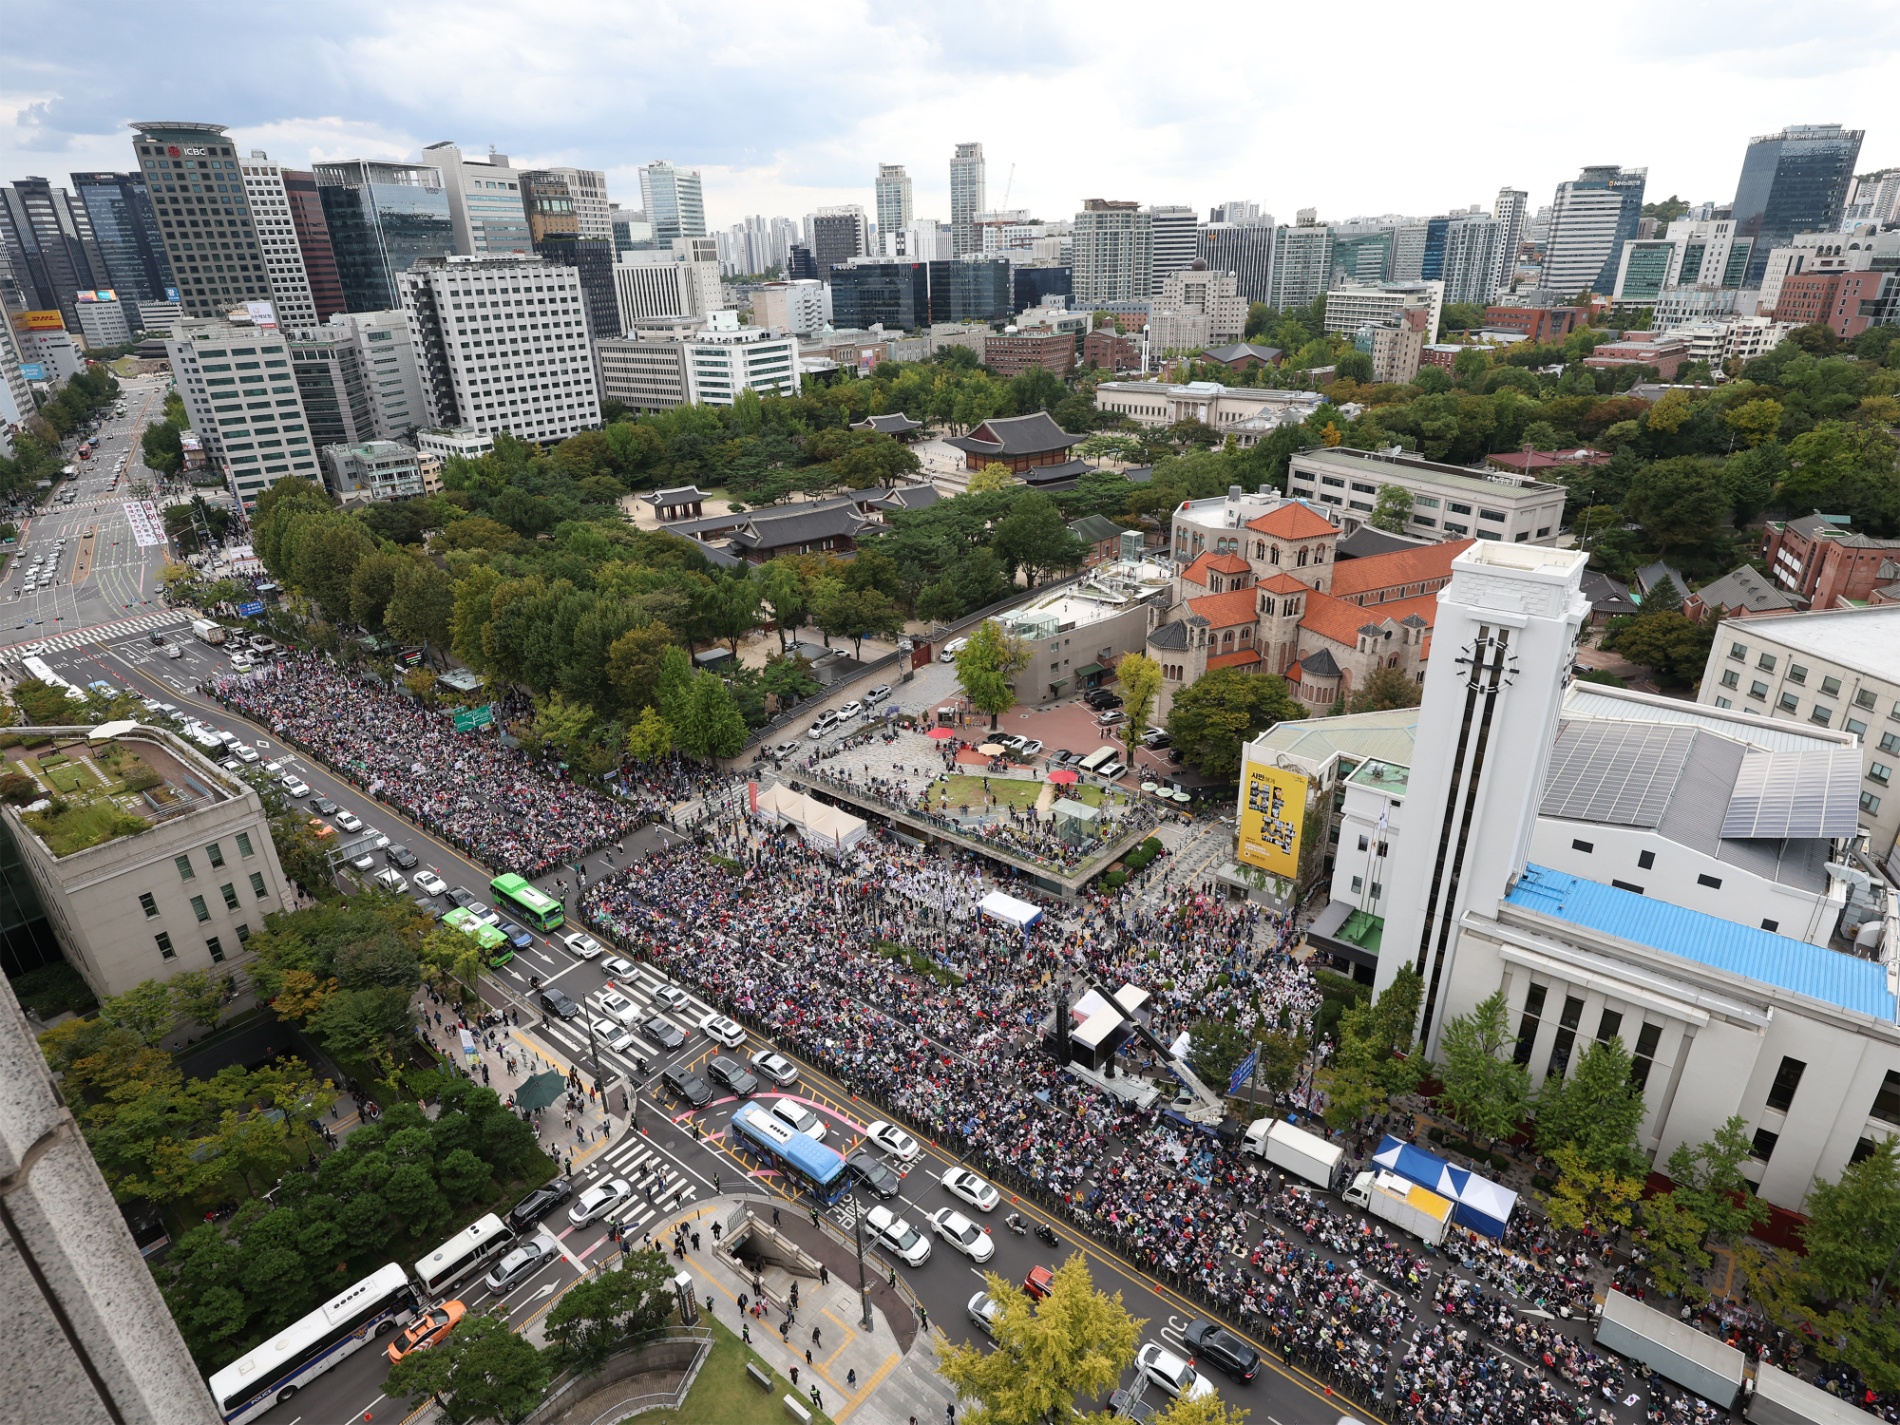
<point x="549" y="206"/>
<point x="1173" y="231"/>
<point x="673" y="200"/>
<point x="381" y="218"/>
<point x="893" y="198"/>
<point x="119" y="207"/>
<point x="204" y="219"/>
<point x="1512" y="207"/>
<point x="1792" y="182"/>
<point x="313" y="240"/>
<point x="593" y="210"/>
<point x="967" y="197"/>
<point x="484" y="202"/>
<point x="1362" y="252"/>
<point x="1468" y="258"/>
<point x="536" y="381"/>
<point x="1235" y="210"/>
<point x="1113" y="252"/>
<point x="332" y="385"/>
<point x="386" y="351"/>
<point x="1302" y="264"/>
<point x="1591" y="218"/>
<point x="836" y="234"/>
<point x="1875" y="199"/>
<point x="250" y="420"/>
<point x="50" y="246"/>
<point x="277" y="235"/>
<point x="1242" y="248"/>
<point x="1408" y="253"/>
<point x="554" y="223"/>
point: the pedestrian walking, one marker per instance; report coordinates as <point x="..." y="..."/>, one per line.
<point x="815" y="1339"/>
<point x="851" y="1378"/>
<point x="824" y="1275"/>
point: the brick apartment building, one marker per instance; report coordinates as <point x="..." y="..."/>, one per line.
<point x="1830" y="299"/>
<point x="1539" y="324"/>
<point x="1012" y="353"/>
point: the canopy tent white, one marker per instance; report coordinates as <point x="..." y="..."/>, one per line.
<point x="827" y="827"/>
<point x="1018" y="913"/>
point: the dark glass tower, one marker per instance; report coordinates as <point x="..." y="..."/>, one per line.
<point x="382" y="218"/>
<point x="1792" y="182"/>
<point x="126" y="230"/>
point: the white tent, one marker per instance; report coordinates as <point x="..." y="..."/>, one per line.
<point x="824" y="826"/>
<point x="1018" y="913"/>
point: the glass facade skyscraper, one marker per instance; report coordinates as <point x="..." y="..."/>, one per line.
<point x="382" y="218"/>
<point x="1792" y="182"/>
<point x="126" y="230"/>
<point x="673" y="200"/>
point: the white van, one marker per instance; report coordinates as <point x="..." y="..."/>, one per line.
<point x="824" y="723"/>
<point x="1099" y="758"/>
<point x="798" y="1118"/>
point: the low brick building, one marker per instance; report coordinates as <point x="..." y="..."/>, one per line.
<point x="1830" y="299"/>
<point x="1012" y="353"/>
<point x="1109" y="350"/>
<point x="1823" y="561"/>
<point x="1665" y="353"/>
<point x="1540" y="324"/>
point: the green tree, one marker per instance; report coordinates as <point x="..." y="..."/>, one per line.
<point x="482" y="1371"/>
<point x="1595" y="1107"/>
<point x="1033" y="538"/>
<point x="788" y="592"/>
<point x="1708" y="1199"/>
<point x="987" y="666"/>
<point x="161" y="448"/>
<point x="990" y="477"/>
<point x="146" y="1010"/>
<point x="1207" y="1409"/>
<point x="1757" y="421"/>
<point x="1072" y="1345"/>
<point x="1218" y="1046"/>
<point x="1140" y="678"/>
<point x="598" y="1314"/>
<point x="421" y="606"/>
<point x="1485" y="1090"/>
<point x="1681" y="506"/>
<point x="1392" y="509"/>
<point x="1387" y="688"/>
<point x="650" y="738"/>
<point x="1216" y="715"/>
<point x="1373" y="1059"/>
<point x="710" y="724"/>
<point x="1589" y="1197"/>
<point x="1672" y="646"/>
<point x="198" y="997"/>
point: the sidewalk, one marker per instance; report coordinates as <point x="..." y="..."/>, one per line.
<point x="895" y="1363"/>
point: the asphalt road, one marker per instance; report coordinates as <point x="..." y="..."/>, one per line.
<point x="101" y="575"/>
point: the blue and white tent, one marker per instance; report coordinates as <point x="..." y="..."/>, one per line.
<point x="1478" y="1203"/>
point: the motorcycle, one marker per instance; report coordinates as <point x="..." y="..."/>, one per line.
<point x="1016" y="1225"/>
<point x="1046" y="1235"/>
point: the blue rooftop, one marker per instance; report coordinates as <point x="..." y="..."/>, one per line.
<point x="1794" y="965"/>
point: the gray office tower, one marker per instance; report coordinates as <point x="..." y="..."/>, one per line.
<point x="50" y="246"/>
<point x="204" y="222"/>
<point x="1792" y="182"/>
<point x="382" y="218"/>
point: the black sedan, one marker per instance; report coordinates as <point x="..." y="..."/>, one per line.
<point x="733" y="1074"/>
<point x="664" y="1032"/>
<point x="873" y="1173"/>
<point x="1223" y="1349"/>
<point x="686" y="1084"/>
<point x="536" y="1205"/>
<point x="557" y="1003"/>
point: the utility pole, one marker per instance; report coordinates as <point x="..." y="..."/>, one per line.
<point x="864" y="1295"/>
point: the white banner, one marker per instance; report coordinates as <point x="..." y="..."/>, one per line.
<point x="147" y="527"/>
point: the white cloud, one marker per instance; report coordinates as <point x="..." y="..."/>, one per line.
<point x="1373" y="107"/>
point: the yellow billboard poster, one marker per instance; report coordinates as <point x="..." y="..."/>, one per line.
<point x="1272" y="815"/>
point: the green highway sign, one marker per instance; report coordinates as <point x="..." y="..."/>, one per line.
<point x="468" y="719"/>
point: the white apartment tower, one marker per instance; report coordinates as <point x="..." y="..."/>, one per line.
<point x="966" y="197"/>
<point x="503" y="345"/>
<point x="1174" y="231"/>
<point x="1506" y="632"/>
<point x="283" y="257"/>
<point x="1302" y="264"/>
<point x="893" y="198"/>
<point x="240" y="393"/>
<point x="1512" y="205"/>
<point x="1113" y="252"/>
<point x="392" y="376"/>
<point x="1591" y="219"/>
<point x="485" y="207"/>
<point x="1472" y="242"/>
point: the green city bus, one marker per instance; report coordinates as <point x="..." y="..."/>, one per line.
<point x="516" y="898"/>
<point x="491" y="940"/>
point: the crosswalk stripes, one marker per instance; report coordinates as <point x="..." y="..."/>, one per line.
<point x="100" y="633"/>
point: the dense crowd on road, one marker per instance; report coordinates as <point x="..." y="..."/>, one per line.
<point x="496" y="803"/>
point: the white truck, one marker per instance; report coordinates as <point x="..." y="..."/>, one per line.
<point x="205" y="631"/>
<point x="1294" y="1150"/>
<point x="1390" y="1198"/>
<point x="1783" y="1399"/>
<point x="1673" y="1349"/>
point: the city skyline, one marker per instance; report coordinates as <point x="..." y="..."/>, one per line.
<point x="932" y="89"/>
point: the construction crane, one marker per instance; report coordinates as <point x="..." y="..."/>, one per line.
<point x="1008" y="184"/>
<point x="1207" y="1109"/>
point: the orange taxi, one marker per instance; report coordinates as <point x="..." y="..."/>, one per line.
<point x="427" y="1330"/>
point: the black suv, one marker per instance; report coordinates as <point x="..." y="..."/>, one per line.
<point x="1101" y="699"/>
<point x="1224" y="1349"/>
<point x="688" y="1085"/>
<point x="532" y="1208"/>
<point x="399" y="856"/>
<point x="873" y="1174"/>
<point x="556" y="1002"/>
<point x="733" y="1074"/>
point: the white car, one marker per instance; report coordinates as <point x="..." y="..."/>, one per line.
<point x="296" y="786"/>
<point x="430" y="882"/>
<point x="613" y="965"/>
<point x="348" y="820"/>
<point x="1171" y="1372"/>
<point x="894" y="1140"/>
<point x="963" y="1183"/>
<point x="618" y="1007"/>
<point x="610" y="1035"/>
<point x="365" y="862"/>
<point x="391" y="880"/>
<point x="584" y="946"/>
<point x="770" y="1064"/>
<point x="243" y="753"/>
<point x="897" y="1236"/>
<point x="984" y="1309"/>
<point x="952" y="649"/>
<point x="598" y="1199"/>
<point x="966" y="1236"/>
<point x="672" y="996"/>
<point x="241" y="663"/>
<point x="722" y="1030"/>
<point x="482" y="913"/>
<point x="799" y="1118"/>
<point x="849" y="711"/>
<point x="276" y="769"/>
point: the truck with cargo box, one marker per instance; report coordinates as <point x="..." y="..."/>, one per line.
<point x="1294" y="1150"/>
<point x="1405" y="1205"/>
<point x="1674" y="1349"/>
<point x="1784" y="1399"/>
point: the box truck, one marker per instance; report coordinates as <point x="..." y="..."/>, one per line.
<point x="1783" y="1399"/>
<point x="1390" y="1198"/>
<point x="1673" y="1349"/>
<point x="1294" y="1150"/>
<point x="205" y="631"/>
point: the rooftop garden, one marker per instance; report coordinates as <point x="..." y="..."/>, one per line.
<point x="75" y="795"/>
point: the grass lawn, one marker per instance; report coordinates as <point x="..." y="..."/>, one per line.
<point x="724" y="1395"/>
<point x="960" y="789"/>
<point x="79" y="827"/>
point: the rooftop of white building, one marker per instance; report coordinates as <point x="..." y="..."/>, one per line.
<point x="1109" y="589"/>
<point x="1863" y="639"/>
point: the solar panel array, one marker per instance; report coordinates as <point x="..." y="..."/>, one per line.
<point x="1616" y="774"/>
<point x="1783" y="794"/>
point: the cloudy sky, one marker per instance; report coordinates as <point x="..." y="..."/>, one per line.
<point x="1359" y="108"/>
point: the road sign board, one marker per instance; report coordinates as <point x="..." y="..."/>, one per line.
<point x="468" y="719"/>
<point x="250" y="610"/>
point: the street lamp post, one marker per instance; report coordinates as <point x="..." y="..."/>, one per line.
<point x="864" y="1295"/>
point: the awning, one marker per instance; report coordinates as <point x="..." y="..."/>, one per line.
<point x="1019" y="913"/>
<point x="1089" y="670"/>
